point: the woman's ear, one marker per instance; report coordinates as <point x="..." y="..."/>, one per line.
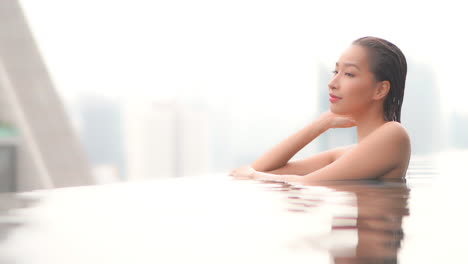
<point x="383" y="88"/>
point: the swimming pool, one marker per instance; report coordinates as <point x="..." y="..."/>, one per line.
<point x="216" y="219"/>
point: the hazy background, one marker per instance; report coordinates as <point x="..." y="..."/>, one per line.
<point x="172" y="88"/>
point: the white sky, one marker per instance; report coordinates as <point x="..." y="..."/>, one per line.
<point x="244" y="49"/>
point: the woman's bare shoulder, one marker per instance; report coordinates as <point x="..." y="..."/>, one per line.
<point x="392" y="135"/>
<point x="379" y="153"/>
<point x="394" y="130"/>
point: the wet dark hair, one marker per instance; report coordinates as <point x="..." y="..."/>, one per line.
<point x="388" y="63"/>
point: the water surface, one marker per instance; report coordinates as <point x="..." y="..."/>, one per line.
<point x="216" y="219"/>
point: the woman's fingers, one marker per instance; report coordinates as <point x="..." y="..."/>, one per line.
<point x="243" y="172"/>
<point x="337" y="121"/>
<point x="348" y="122"/>
<point x="341" y="121"/>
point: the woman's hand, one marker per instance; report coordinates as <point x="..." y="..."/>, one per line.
<point x="245" y="172"/>
<point x="337" y="121"/>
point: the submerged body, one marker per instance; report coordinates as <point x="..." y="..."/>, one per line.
<point x="367" y="92"/>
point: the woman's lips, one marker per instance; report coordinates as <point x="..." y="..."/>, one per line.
<point x="334" y="98"/>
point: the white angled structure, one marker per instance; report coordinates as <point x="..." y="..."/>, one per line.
<point x="49" y="153"/>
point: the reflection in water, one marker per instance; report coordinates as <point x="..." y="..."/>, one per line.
<point x="9" y="202"/>
<point x="366" y="217"/>
<point x="379" y="221"/>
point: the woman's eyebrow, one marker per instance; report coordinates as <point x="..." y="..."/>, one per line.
<point x="349" y="64"/>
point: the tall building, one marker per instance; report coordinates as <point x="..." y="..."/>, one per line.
<point x="166" y="139"/>
<point x="222" y="135"/>
<point x="421" y="111"/>
<point x="101" y="133"/>
<point x="458" y="130"/>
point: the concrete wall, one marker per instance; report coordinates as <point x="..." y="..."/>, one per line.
<point x="49" y="153"/>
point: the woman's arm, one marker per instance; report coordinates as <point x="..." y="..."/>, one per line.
<point x="383" y="150"/>
<point x="279" y="155"/>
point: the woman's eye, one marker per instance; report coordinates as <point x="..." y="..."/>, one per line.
<point x="335" y="72"/>
<point x="349" y="74"/>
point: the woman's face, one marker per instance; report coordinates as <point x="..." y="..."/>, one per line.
<point x="352" y="87"/>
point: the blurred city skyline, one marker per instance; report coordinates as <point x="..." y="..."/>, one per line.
<point x="258" y="69"/>
<point x="163" y="126"/>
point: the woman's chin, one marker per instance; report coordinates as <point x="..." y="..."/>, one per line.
<point x="336" y="111"/>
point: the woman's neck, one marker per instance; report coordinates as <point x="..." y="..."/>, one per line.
<point x="367" y="122"/>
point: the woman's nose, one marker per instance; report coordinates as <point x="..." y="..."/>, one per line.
<point x="332" y="84"/>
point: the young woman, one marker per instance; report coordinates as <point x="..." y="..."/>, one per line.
<point x="367" y="92"/>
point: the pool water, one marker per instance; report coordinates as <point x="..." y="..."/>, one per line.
<point x="217" y="219"/>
